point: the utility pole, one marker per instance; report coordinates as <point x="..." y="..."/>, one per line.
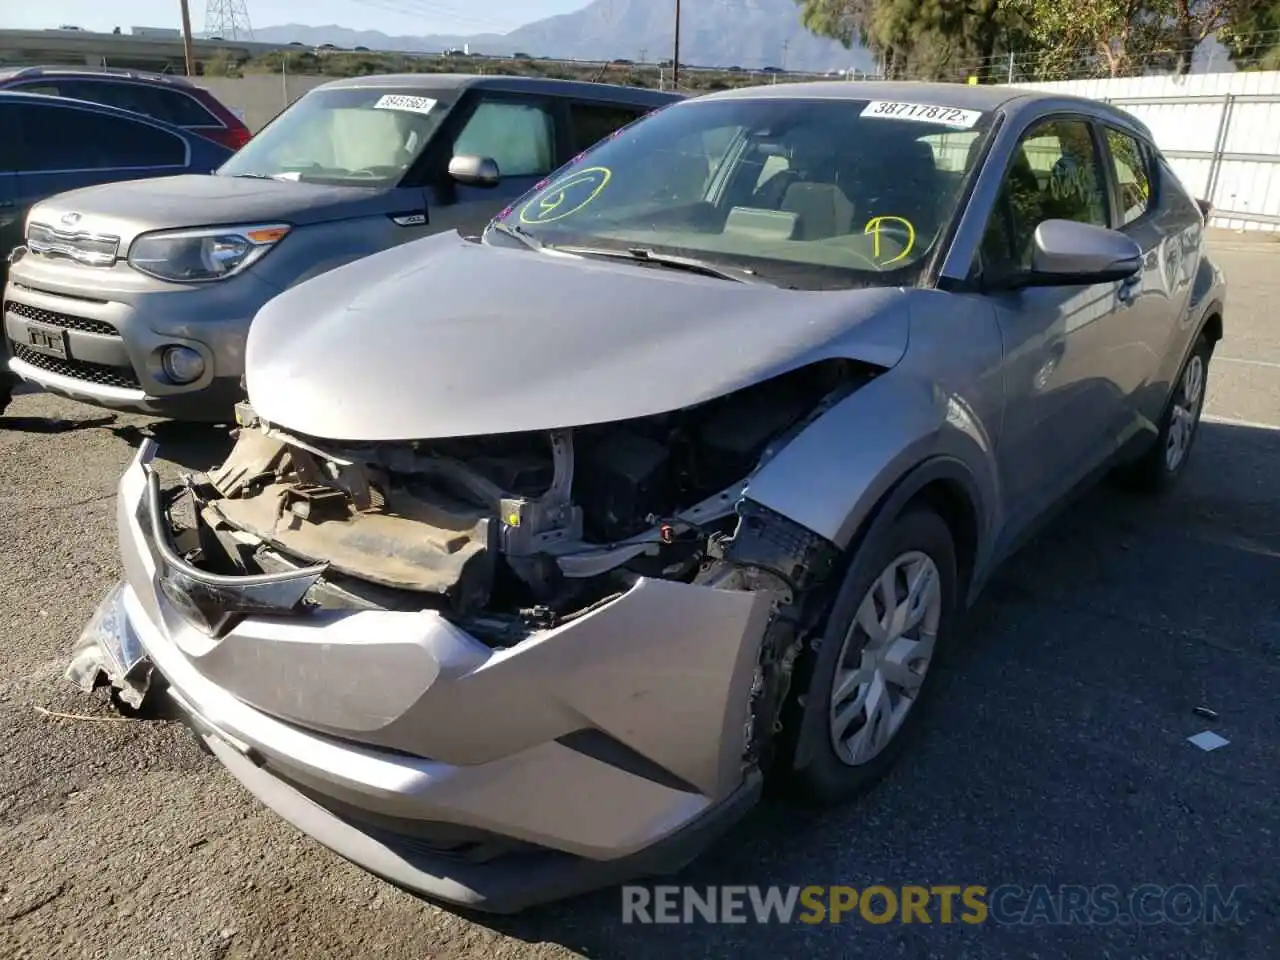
<point x="186" y="39"/>
<point x="675" y="61"/>
<point x="785" y="45"/>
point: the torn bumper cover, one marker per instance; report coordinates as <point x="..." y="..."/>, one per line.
<point x="606" y="748"/>
<point x="108" y="649"/>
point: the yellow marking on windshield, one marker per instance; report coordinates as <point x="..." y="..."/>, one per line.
<point x="876" y="225"/>
<point x="557" y="201"/>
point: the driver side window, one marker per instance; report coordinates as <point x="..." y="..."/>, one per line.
<point x="1055" y="175"/>
<point x="519" y="136"/>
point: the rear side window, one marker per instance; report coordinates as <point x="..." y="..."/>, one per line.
<point x="1132" y="166"/>
<point x="65" y="138"/>
<point x="592" y="122"/>
<point x="170" y="106"/>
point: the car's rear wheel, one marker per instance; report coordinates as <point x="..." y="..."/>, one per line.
<point x="874" y="665"/>
<point x="1159" y="468"/>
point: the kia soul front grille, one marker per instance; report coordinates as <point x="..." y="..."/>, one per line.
<point x="66" y="320"/>
<point x="90" y="249"/>
<point x="97" y="373"/>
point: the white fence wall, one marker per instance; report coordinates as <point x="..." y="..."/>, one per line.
<point x="1220" y="131"/>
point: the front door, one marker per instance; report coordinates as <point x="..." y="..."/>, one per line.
<point x="1063" y="410"/>
<point x="519" y="134"/>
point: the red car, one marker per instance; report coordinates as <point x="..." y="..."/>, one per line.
<point x="168" y="98"/>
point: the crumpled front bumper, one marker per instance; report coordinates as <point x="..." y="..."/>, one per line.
<point x="607" y="748"/>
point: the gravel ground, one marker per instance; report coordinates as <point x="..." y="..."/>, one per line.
<point x="1058" y="753"/>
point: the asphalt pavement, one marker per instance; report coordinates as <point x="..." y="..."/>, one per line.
<point x="1058" y="752"/>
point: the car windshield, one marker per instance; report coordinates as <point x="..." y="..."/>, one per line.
<point x="812" y="194"/>
<point x="357" y="136"/>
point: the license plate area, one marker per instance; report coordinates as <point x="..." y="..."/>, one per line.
<point x="48" y="340"/>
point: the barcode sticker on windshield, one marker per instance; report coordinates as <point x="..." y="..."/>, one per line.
<point x="399" y="101"/>
<point x="924" y="112"/>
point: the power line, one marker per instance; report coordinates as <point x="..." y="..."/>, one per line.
<point x="419" y="8"/>
<point x="228" y="19"/>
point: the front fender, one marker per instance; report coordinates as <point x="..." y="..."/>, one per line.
<point x="832" y="477"/>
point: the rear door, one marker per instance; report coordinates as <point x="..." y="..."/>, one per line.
<point x="1166" y="227"/>
<point x="518" y="132"/>
<point x="11" y="213"/>
<point x="65" y="146"/>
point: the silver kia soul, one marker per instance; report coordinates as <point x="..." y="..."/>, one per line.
<point x="138" y="296"/>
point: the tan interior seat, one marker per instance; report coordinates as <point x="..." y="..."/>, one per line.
<point x="822" y="210"/>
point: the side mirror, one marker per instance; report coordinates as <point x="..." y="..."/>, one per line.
<point x="475" y="171"/>
<point x="1068" y="253"/>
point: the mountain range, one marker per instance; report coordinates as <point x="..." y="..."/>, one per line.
<point x="747" y="33"/>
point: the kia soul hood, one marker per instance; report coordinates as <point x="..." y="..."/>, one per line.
<point x="128" y="208"/>
<point x="444" y="337"/>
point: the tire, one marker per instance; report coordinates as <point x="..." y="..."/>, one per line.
<point x="1160" y="467"/>
<point x="918" y="541"/>
<point x="7" y="381"/>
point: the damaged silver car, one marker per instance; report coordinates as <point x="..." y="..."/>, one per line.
<point x="536" y="555"/>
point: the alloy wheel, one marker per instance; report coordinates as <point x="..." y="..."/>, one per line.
<point x="884" y="658"/>
<point x="1185" y="413"/>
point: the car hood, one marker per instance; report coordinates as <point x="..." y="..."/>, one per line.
<point x="125" y="209"/>
<point x="443" y="337"/>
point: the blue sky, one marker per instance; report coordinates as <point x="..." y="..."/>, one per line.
<point x="389" y="16"/>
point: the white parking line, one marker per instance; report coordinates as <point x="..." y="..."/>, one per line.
<point x="1251" y="363"/>
<point x="1233" y="422"/>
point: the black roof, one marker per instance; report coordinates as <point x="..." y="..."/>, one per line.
<point x="11" y="73"/>
<point x="464" y="81"/>
<point x="21" y="96"/>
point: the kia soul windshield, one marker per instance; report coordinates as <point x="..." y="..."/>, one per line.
<point x="808" y="193"/>
<point x="361" y="137"/>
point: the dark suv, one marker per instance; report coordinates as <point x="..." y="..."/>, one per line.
<point x="160" y="96"/>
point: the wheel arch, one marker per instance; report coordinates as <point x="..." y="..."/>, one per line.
<point x="946" y="486"/>
<point x="1211" y="327"/>
<point x="943" y="484"/>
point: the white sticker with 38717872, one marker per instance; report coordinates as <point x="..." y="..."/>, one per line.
<point x="923" y="112"/>
<point x="400" y="101"/>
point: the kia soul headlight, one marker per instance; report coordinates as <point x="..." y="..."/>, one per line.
<point x="212" y="253"/>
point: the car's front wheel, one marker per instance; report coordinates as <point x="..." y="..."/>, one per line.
<point x="873" y="667"/>
<point x="7" y="381"/>
<point x="1163" y="463"/>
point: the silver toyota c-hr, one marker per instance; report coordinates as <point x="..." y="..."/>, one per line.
<point x="536" y="555"/>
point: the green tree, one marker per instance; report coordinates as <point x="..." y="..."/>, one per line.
<point x="925" y="39"/>
<point x="1252" y="36"/>
<point x="1092" y="37"/>
<point x="1196" y="20"/>
<point x="1116" y="37"/>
